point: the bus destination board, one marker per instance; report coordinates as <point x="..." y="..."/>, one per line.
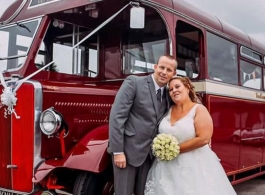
<point x="40" y="2"/>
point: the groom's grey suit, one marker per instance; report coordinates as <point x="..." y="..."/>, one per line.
<point x="132" y="127"/>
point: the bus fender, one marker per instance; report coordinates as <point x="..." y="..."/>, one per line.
<point x="89" y="154"/>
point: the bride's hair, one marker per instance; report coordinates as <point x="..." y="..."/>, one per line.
<point x="187" y="83"/>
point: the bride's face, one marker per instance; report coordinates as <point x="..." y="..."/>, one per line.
<point x="177" y="91"/>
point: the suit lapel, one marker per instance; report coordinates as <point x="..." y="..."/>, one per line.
<point x="152" y="90"/>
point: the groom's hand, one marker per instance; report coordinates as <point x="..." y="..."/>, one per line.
<point x="120" y="160"/>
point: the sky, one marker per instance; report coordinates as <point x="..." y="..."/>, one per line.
<point x="247" y="15"/>
<point x="4" y="4"/>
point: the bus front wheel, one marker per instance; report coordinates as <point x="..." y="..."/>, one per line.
<point x="86" y="184"/>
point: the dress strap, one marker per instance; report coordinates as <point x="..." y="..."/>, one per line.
<point x="168" y="114"/>
<point x="192" y="111"/>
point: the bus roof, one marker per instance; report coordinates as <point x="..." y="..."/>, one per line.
<point x="23" y="9"/>
<point x="214" y="24"/>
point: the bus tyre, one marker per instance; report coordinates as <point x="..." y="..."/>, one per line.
<point x="86" y="184"/>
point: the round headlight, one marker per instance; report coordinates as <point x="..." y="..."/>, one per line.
<point x="50" y="122"/>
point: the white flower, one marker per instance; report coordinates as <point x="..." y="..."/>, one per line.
<point x="8" y="98"/>
<point x="165" y="147"/>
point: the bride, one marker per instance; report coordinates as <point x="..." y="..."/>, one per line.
<point x="196" y="170"/>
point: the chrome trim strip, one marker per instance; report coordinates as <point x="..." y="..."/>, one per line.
<point x="62" y="192"/>
<point x="252" y="138"/>
<point x="15" y="13"/>
<point x="109" y="80"/>
<point x="195" y="21"/>
<point x="227" y="90"/>
<point x="222" y="89"/>
<point x="11" y="166"/>
<point x="38" y="99"/>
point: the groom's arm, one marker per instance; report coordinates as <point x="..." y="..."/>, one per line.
<point x="119" y="114"/>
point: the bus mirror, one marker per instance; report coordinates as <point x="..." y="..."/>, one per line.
<point x="137" y="17"/>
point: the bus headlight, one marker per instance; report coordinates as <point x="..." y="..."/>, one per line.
<point x="50" y="122"/>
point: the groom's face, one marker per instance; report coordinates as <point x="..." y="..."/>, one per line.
<point x="164" y="70"/>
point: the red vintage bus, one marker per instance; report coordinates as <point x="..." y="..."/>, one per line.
<point x="63" y="61"/>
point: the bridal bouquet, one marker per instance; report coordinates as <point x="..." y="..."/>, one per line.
<point x="165" y="147"/>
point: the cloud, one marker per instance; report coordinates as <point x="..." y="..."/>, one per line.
<point x="259" y="37"/>
<point x="243" y="14"/>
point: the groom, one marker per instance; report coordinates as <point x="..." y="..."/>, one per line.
<point x="139" y="104"/>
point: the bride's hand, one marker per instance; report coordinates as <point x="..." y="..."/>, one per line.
<point x="120" y="160"/>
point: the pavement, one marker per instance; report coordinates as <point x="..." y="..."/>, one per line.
<point x="252" y="187"/>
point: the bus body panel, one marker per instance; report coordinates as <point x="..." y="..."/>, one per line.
<point x="84" y="108"/>
<point x="19" y="141"/>
<point x="239" y="132"/>
<point x="226" y="121"/>
<point x="88" y="155"/>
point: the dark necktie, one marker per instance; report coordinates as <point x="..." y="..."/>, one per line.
<point x="158" y="97"/>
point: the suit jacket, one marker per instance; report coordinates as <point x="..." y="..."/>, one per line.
<point x="133" y="118"/>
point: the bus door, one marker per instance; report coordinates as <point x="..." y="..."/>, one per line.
<point x="251" y="134"/>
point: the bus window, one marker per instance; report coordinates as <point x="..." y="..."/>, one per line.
<point x="222" y="59"/>
<point x="143" y="47"/>
<point x="57" y="46"/>
<point x="15" y="41"/>
<point x="188" y="44"/>
<point x="250" y="75"/>
<point x="252" y="55"/>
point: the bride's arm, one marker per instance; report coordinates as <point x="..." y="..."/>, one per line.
<point x="204" y="129"/>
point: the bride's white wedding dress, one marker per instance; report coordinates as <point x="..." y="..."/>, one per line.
<point x="197" y="172"/>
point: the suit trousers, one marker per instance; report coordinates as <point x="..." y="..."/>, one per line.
<point x="131" y="180"/>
